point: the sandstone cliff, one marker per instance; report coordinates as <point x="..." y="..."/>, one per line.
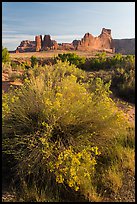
<point x="37" y="45"/>
<point x="103" y="42"/>
<point x="38" y="40"/>
<point x="125" y="46"/>
<point x="26" y="46"/>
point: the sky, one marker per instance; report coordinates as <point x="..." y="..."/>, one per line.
<point x="65" y="21"/>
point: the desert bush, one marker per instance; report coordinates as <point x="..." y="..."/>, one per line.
<point x="61" y="132"/>
<point x="6" y="67"/>
<point x="34" y="61"/>
<point x="99" y="62"/>
<point x="14" y="66"/>
<point x="5" y="55"/>
<point x="14" y="76"/>
<point x="25" y="65"/>
<point x="72" y="58"/>
<point x="119" y="69"/>
<point x="102" y="62"/>
<point x="123" y="80"/>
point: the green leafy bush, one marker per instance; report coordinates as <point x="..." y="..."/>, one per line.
<point x="25" y="65"/>
<point x="123" y="79"/>
<point x="5" y="55"/>
<point x="14" y="66"/>
<point x="119" y="69"/>
<point x="72" y="58"/>
<point x="61" y="132"/>
<point x="34" y="61"/>
<point x="6" y="67"/>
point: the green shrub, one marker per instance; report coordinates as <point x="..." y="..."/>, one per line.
<point x="14" y="65"/>
<point x="25" y="65"/>
<point x="6" y="67"/>
<point x="5" y="55"/>
<point x="55" y="127"/>
<point x="14" y="76"/>
<point x="72" y="58"/>
<point x="123" y="80"/>
<point x="119" y="69"/>
<point x="34" y="61"/>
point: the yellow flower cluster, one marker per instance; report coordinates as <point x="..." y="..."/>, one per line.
<point x="75" y="168"/>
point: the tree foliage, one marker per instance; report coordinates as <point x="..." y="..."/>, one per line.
<point x="5" y="55"/>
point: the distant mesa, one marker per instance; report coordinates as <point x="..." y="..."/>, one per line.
<point x="103" y="42"/>
<point x="125" y="46"/>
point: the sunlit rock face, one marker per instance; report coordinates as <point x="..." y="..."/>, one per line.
<point x="103" y="42"/>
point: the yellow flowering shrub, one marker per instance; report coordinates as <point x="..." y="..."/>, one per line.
<point x="76" y="169"/>
<point x="56" y="125"/>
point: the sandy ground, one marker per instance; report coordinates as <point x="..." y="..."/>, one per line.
<point x="50" y="53"/>
<point x="127" y="108"/>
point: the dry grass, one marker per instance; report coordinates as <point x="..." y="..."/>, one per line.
<point x="51" y="53"/>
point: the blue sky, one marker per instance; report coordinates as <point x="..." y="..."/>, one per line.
<point x="65" y="21"/>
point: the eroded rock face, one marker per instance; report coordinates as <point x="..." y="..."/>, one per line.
<point x="46" y="42"/>
<point x="38" y="40"/>
<point x="54" y="45"/>
<point x="125" y="46"/>
<point x="75" y="43"/>
<point x="103" y="42"/>
<point x="67" y="46"/>
<point x="26" y="46"/>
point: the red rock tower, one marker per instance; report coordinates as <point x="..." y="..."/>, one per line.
<point x="38" y="40"/>
<point x="47" y="43"/>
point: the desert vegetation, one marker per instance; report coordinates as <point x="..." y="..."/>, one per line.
<point x="63" y="136"/>
<point x="119" y="69"/>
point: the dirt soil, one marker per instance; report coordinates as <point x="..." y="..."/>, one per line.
<point x="51" y="53"/>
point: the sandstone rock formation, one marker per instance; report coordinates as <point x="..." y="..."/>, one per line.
<point x="75" y="43"/>
<point x="26" y="46"/>
<point x="38" y="40"/>
<point x="125" y="46"/>
<point x="48" y="43"/>
<point x="54" y="45"/>
<point x="66" y="46"/>
<point x="103" y="42"/>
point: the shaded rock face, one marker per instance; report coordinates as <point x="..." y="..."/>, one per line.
<point x="47" y="43"/>
<point x="54" y="45"/>
<point x="37" y="45"/>
<point x="125" y="46"/>
<point x="103" y="42"/>
<point x="66" y="46"/>
<point x="26" y="46"/>
<point x="75" y="43"/>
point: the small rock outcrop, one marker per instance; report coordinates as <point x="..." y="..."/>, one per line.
<point x="26" y="46"/>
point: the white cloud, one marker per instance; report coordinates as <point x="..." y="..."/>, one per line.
<point x="11" y="40"/>
<point x="18" y="36"/>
